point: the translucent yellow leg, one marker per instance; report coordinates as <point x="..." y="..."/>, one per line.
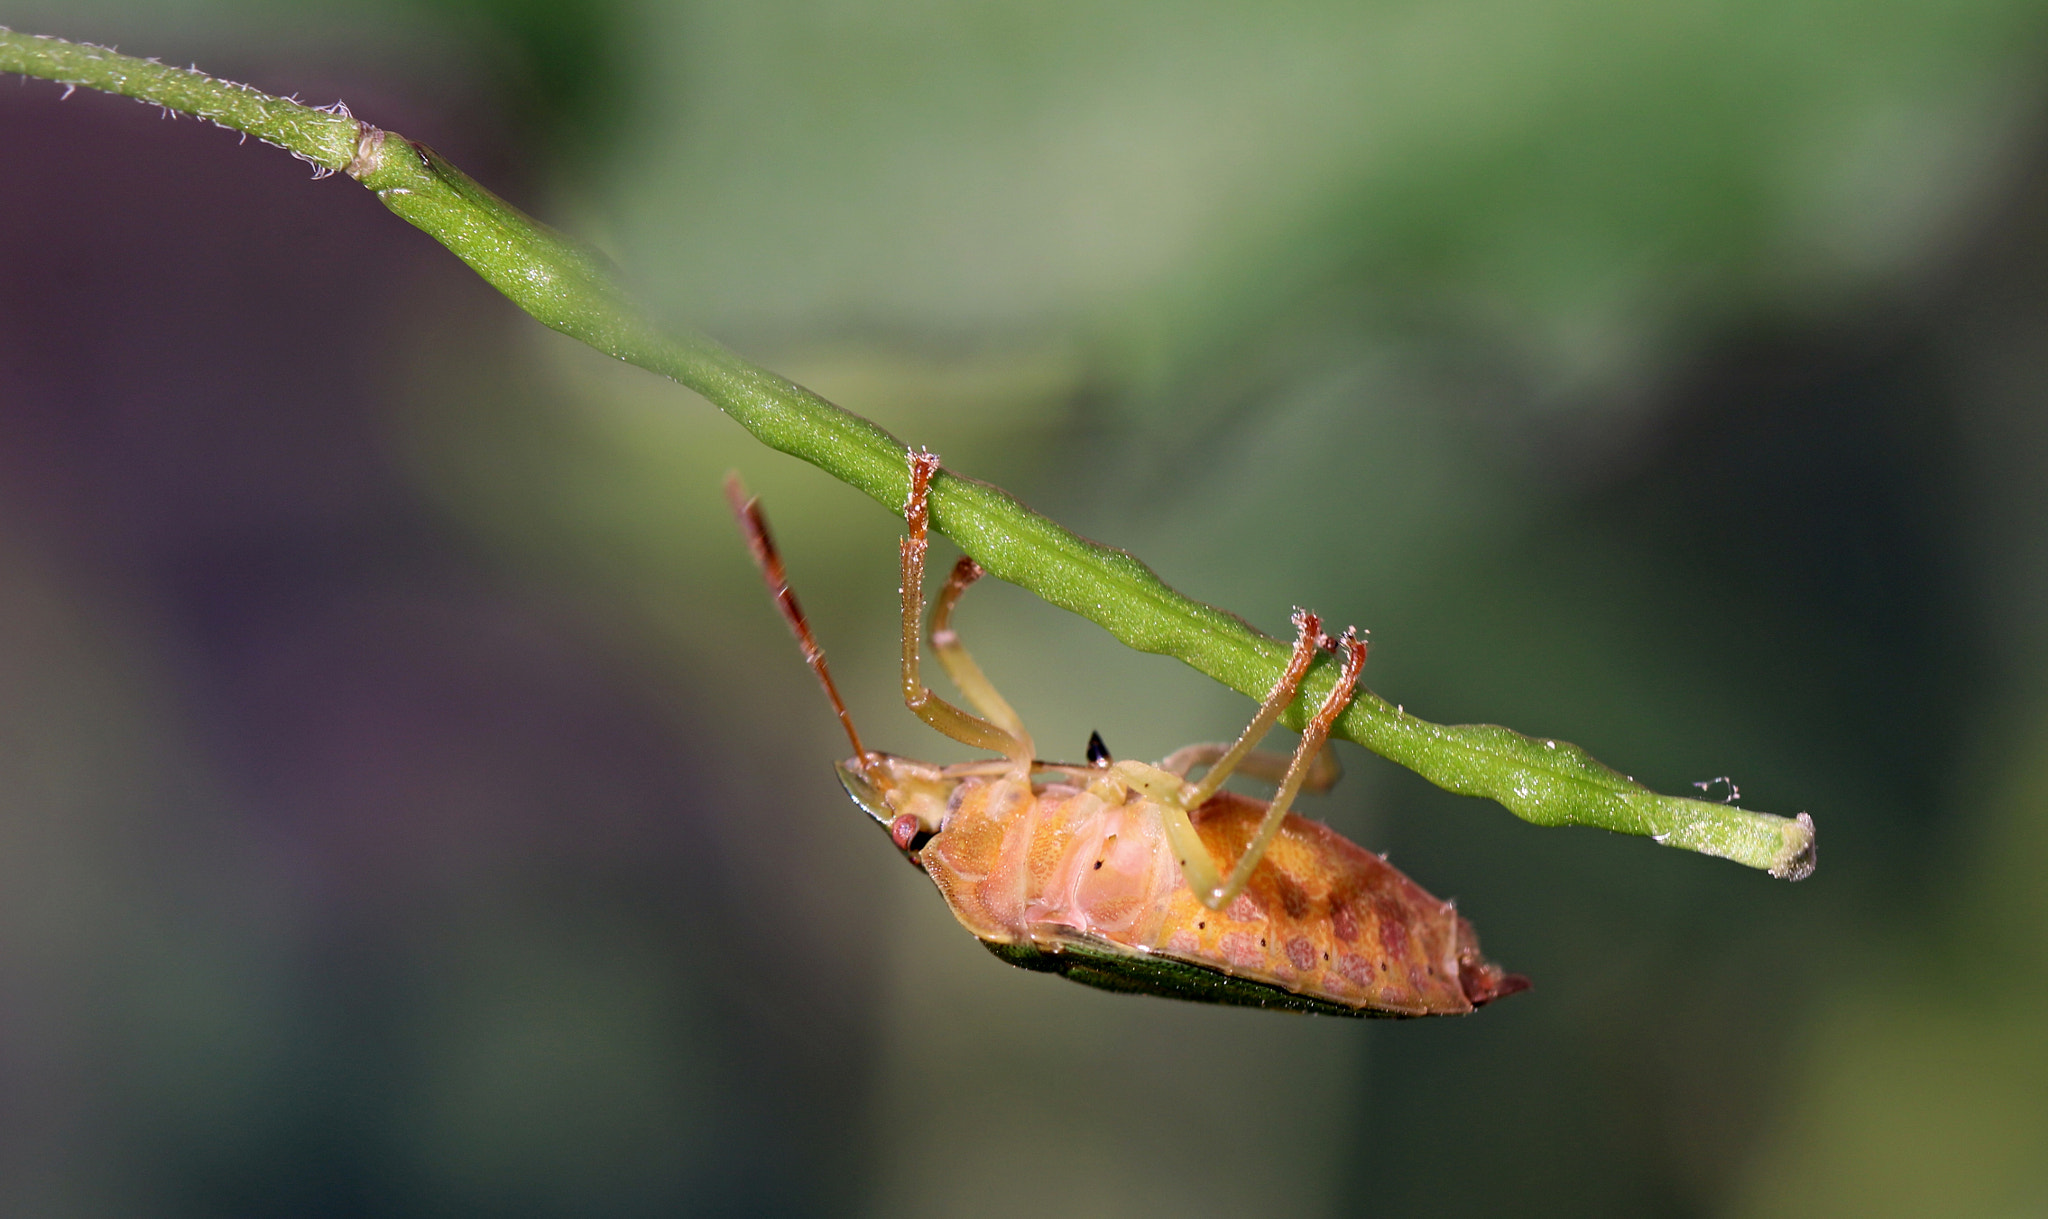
<point x="1166" y="786"/>
<point x="1308" y="640"/>
<point x="1167" y="792"/>
<point x="1261" y="764"/>
<point x="1312" y="739"/>
<point x="960" y="665"/>
<point x="927" y="706"/>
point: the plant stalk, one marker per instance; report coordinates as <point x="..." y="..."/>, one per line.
<point x="570" y="288"/>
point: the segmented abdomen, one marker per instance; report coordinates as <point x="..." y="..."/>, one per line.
<point x="1322" y="915"/>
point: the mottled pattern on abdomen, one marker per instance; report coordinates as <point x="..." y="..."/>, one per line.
<point x="1322" y="915"/>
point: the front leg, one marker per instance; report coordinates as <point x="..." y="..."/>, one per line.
<point x="927" y="706"/>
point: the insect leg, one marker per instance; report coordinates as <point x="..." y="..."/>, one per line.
<point x="960" y="665"/>
<point x="1166" y="791"/>
<point x="927" y="706"/>
<point x="754" y="525"/>
<point x="1308" y="639"/>
<point x="1260" y="764"/>
<point x="1312" y="739"/>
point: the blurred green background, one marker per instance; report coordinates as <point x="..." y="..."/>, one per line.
<point x="409" y="803"/>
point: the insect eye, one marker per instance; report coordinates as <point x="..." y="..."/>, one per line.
<point x="908" y="833"/>
<point x="1098" y="753"/>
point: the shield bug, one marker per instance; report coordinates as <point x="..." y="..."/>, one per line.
<point x="1133" y="877"/>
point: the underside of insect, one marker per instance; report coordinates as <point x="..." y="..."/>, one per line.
<point x="1133" y="877"/>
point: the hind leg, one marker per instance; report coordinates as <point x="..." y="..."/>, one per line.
<point x="1175" y="797"/>
<point x="1308" y="640"/>
<point x="1312" y="739"/>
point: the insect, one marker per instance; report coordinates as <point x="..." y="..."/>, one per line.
<point x="1132" y="877"/>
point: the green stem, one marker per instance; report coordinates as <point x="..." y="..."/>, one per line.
<point x="571" y="289"/>
<point x="326" y="138"/>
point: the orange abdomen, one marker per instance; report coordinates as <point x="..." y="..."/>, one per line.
<point x="1322" y="916"/>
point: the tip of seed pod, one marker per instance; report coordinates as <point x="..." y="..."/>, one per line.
<point x="1796" y="859"/>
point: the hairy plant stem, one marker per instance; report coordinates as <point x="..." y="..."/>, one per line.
<point x="571" y="289"/>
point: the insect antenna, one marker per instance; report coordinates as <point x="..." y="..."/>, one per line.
<point x="747" y="511"/>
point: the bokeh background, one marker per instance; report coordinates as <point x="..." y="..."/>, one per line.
<point x="409" y="803"/>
